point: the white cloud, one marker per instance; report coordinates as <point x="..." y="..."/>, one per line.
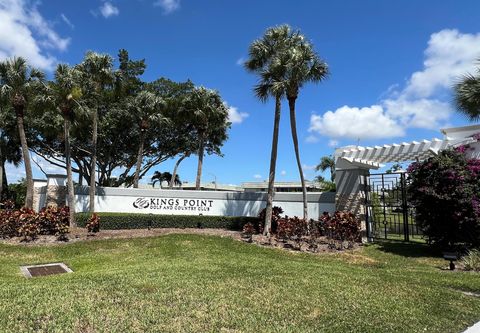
<point x="449" y="55"/>
<point x="240" y="61"/>
<point x="283" y="173"/>
<point x="108" y="9"/>
<point x="424" y="102"/>
<point x="353" y="123"/>
<point x="307" y="167"/>
<point x="67" y="21"/>
<point x="24" y="32"/>
<point x="257" y="176"/>
<point x="333" y="143"/>
<point x="311" y="139"/>
<point x="235" y="116"/>
<point x="420" y="113"/>
<point x="168" y="6"/>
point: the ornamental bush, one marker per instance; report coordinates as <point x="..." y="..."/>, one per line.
<point x="342" y="228"/>
<point x="116" y="221"/>
<point x="28" y="224"/>
<point x="445" y="191"/>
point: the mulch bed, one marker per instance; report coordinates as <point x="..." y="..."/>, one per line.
<point x="80" y="234"/>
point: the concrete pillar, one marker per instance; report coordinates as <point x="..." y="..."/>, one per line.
<point x="56" y="190"/>
<point x="351" y="183"/>
<point x="39" y="193"/>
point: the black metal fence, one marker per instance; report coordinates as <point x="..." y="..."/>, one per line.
<point x="388" y="213"/>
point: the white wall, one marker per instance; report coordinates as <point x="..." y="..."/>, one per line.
<point x="199" y="202"/>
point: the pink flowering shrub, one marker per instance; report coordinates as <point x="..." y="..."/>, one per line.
<point x="445" y="191"/>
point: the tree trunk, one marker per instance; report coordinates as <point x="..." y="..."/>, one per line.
<point x="80" y="177"/>
<point x="93" y="162"/>
<point x="68" y="162"/>
<point x="139" y="160"/>
<point x="174" y="174"/>
<point x="273" y="165"/>
<point x="201" y="149"/>
<point x="2" y="171"/>
<point x="4" y="180"/>
<point x="293" y="125"/>
<point x="26" y="162"/>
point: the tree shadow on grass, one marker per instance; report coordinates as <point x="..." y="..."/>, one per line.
<point x="406" y="249"/>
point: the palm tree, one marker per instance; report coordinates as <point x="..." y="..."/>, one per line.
<point x="63" y="94"/>
<point x="97" y="75"/>
<point x="174" y="180"/>
<point x="11" y="152"/>
<point x="146" y="106"/>
<point x="263" y="61"/>
<point x="18" y="82"/>
<point x="301" y="65"/>
<point x="205" y="111"/>
<point x="467" y="96"/>
<point x="164" y="176"/>
<point x="327" y="163"/>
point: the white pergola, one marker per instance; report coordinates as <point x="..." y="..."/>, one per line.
<point x="353" y="157"/>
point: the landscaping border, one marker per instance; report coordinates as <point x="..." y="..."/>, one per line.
<point x="116" y="221"/>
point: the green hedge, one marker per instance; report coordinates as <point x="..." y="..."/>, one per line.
<point x="115" y="221"/>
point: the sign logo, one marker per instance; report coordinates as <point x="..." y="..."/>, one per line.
<point x="141" y="203"/>
<point x="174" y="204"/>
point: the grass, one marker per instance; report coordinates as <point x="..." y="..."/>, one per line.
<point x="194" y="283"/>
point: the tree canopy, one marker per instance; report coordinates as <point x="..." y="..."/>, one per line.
<point x="125" y="107"/>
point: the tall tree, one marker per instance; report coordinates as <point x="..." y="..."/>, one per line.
<point x="10" y="149"/>
<point x="301" y="65"/>
<point x="97" y="70"/>
<point x="147" y="110"/>
<point x="207" y="115"/>
<point x="18" y="83"/>
<point x="63" y="96"/>
<point x="467" y="95"/>
<point x="327" y="163"/>
<point x="265" y="62"/>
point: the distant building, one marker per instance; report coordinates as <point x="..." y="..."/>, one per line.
<point x="282" y="186"/>
<point x="245" y="187"/>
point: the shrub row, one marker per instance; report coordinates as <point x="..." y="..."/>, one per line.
<point x="28" y="224"/>
<point x="115" y="221"/>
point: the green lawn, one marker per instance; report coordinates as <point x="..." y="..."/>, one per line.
<point x="193" y="283"/>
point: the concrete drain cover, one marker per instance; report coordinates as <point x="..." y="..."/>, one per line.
<point x="45" y="269"/>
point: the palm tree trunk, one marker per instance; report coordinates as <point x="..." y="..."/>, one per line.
<point x="201" y="149"/>
<point x="293" y="126"/>
<point x="68" y="160"/>
<point x="139" y="160"/>
<point x="273" y="165"/>
<point x="26" y="162"/>
<point x="174" y="174"/>
<point x="4" y="180"/>
<point x="93" y="162"/>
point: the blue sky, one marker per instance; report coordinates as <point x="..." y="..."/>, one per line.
<point x="392" y="66"/>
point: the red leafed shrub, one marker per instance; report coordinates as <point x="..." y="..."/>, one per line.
<point x="28" y="224"/>
<point x="276" y="215"/>
<point x="291" y="228"/>
<point x="248" y="229"/>
<point x="342" y="227"/>
<point x="54" y="221"/>
<point x="93" y="224"/>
